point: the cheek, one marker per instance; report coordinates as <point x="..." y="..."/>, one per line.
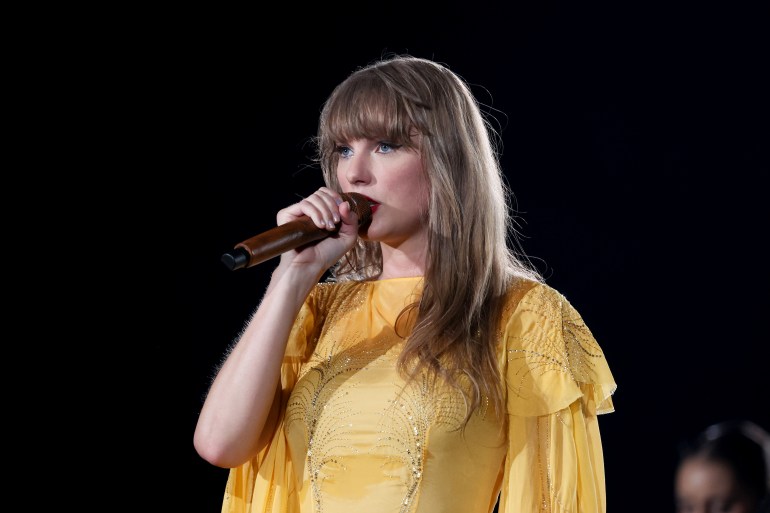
<point x="415" y="196"/>
<point x="414" y="185"/>
<point x="339" y="174"/>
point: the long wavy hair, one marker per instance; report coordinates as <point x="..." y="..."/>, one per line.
<point x="473" y="247"/>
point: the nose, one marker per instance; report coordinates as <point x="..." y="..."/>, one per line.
<point x="357" y="169"/>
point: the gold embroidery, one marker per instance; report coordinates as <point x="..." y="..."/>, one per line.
<point x="567" y="347"/>
<point x="406" y="424"/>
<point x="351" y="409"/>
<point x="321" y="402"/>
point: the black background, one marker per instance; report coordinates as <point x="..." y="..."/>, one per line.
<point x="635" y="141"/>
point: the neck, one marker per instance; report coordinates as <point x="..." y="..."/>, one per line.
<point x="400" y="264"/>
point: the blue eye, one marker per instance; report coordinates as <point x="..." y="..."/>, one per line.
<point x="386" y="147"/>
<point x="344" y="151"/>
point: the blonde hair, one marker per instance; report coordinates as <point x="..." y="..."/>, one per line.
<point x="473" y="250"/>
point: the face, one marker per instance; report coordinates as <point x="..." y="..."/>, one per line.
<point x="704" y="486"/>
<point x="393" y="177"/>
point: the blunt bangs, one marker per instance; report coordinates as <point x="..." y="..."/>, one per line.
<point x="368" y="108"/>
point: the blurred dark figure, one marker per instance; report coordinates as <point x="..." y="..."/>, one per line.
<point x="725" y="469"/>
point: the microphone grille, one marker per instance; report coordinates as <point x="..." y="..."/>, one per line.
<point x="360" y="205"/>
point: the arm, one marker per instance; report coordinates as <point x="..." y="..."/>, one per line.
<point x="236" y="415"/>
<point x="555" y="461"/>
<point x="557" y="382"/>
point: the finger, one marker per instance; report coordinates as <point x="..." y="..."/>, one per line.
<point x="321" y="207"/>
<point x="332" y="199"/>
<point x="349" y="214"/>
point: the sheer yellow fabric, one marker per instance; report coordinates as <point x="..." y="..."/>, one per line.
<point x="352" y="436"/>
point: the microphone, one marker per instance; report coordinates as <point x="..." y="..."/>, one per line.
<point x="289" y="236"/>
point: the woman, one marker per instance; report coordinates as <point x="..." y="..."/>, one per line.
<point x="725" y="469"/>
<point x="434" y="370"/>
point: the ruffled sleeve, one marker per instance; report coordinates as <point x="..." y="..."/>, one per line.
<point x="267" y="483"/>
<point x="557" y="381"/>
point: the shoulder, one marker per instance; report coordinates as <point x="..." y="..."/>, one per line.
<point x="531" y="297"/>
<point x="546" y="346"/>
<point x="324" y="300"/>
<point x="528" y="297"/>
<point x="532" y="320"/>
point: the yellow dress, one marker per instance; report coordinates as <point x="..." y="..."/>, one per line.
<point x="352" y="437"/>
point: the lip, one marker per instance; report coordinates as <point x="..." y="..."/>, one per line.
<point x="373" y="205"/>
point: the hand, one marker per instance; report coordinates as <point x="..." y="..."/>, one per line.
<point x="328" y="211"/>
